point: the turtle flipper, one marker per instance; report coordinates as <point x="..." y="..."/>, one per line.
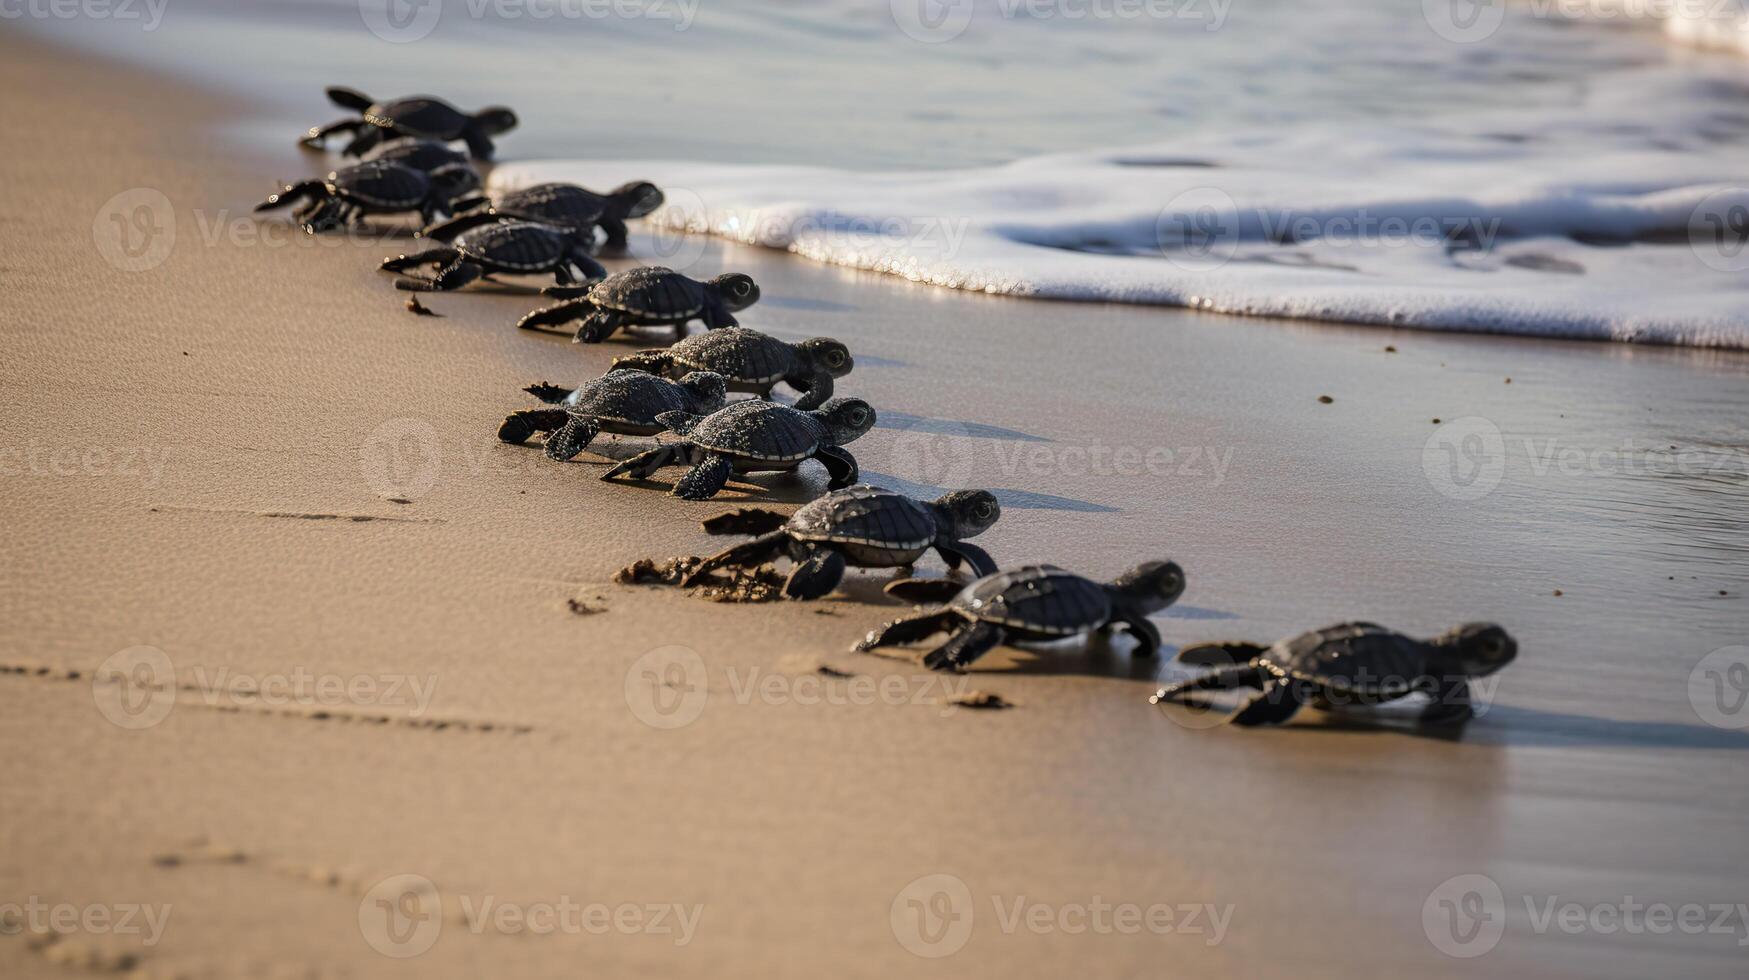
<point x="1275" y="704"/>
<point x="747" y="520"/>
<point x="562" y="291"/>
<point x="921" y="591"/>
<point x="518" y="426"/>
<point x="640" y="467"/>
<point x="966" y="646"/>
<point x="445" y="231"/>
<point x="909" y="630"/>
<point x="454" y="276"/>
<point x="715" y="316"/>
<point x="840" y="464"/>
<point x="304" y="190"/>
<point x="598" y="325"/>
<point x="579" y="256"/>
<point x="956" y="552"/>
<point x="551" y="394"/>
<point x="679" y="422"/>
<point x="479" y="144"/>
<point x="1225" y="679"/>
<point x="1219" y="654"/>
<point x="615" y="229"/>
<point x="816" y="575"/>
<point x="572" y="438"/>
<point x="704" y="480"/>
<point x="1451" y="703"/>
<point x="413" y="260"/>
<point x="656" y="361"/>
<point x="757" y="551"/>
<point x="815" y="391"/>
<point x="317" y="136"/>
<point x="348" y="98"/>
<point x="558" y="313"/>
<point x="364" y="142"/>
<point x="1143" y="629"/>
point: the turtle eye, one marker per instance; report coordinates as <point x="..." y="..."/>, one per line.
<point x="835" y="358"/>
<point x="1172" y="582"/>
<point x="741" y="287"/>
<point x="858" y="416"/>
<point x="1492" y="648"/>
<point x="984" y="510"/>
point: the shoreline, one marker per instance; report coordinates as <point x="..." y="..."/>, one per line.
<point x="283" y="384"/>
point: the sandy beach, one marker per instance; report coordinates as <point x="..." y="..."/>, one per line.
<point x="379" y="643"/>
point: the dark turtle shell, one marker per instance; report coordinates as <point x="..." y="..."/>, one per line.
<point x="1040" y="599"/>
<point x="419" y="115"/>
<point x="736" y="353"/>
<point x="423" y="155"/>
<point x="382" y="185"/>
<point x="865" y="515"/>
<point x="651" y="291"/>
<point x="558" y="204"/>
<point x="517" y="245"/>
<point x="1361" y="657"/>
<point x="630" y="397"/>
<point x="761" y="430"/>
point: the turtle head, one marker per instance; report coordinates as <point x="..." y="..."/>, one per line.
<point x="737" y="290"/>
<point x="707" y="389"/>
<point x="828" y="355"/>
<point x="639" y="197"/>
<point x="1477" y="649"/>
<point x="1151" y="586"/>
<point x="453" y="180"/>
<point x="848" y="418"/>
<point x="971" y="511"/>
<point x="496" y="119"/>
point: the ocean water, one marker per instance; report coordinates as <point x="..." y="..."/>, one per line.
<point x="1566" y="168"/>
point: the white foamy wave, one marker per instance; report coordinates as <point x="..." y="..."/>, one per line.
<point x="1717" y="24"/>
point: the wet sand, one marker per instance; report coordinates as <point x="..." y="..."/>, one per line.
<point x="207" y="458"/>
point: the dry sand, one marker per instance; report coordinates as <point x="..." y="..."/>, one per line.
<point x="202" y="457"/>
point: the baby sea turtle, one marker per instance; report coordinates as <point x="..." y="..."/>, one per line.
<point x="752" y="362"/>
<point x="646" y="296"/>
<point x="515" y="247"/>
<point x="377" y="187"/>
<point x="423" y="116"/>
<point x="1038" y="603"/>
<point x="566" y="205"/>
<point x="863" y="526"/>
<point x="754" y="437"/>
<point x="1347" y="664"/>
<point x="426" y="155"/>
<point x="625" y="402"/>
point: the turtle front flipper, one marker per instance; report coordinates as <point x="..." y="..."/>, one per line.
<point x="364" y="142"/>
<point x="551" y="394"/>
<point x="815" y="389"/>
<point x="956" y="552"/>
<point x="1451" y="703"/>
<point x="598" y="325"/>
<point x="816" y="575"/>
<point x="1143" y="629"/>
<point x="1275" y="704"/>
<point x="909" y="630"/>
<point x="444" y="231"/>
<point x="1225" y="679"/>
<point x="704" y="480"/>
<point x="966" y="646"/>
<point x="317" y="136"/>
<point x="348" y="98"/>
<point x="479" y="144"/>
<point x="1219" y="654"/>
<point x="654" y="361"/>
<point x="755" y="552"/>
<point x="518" y="426"/>
<point x="454" y="276"/>
<point x="640" y="467"/>
<point x="572" y="438"/>
<point x="840" y="464"/>
<point x="922" y="591"/>
<point x="555" y="315"/>
<point x="303" y="190"/>
<point x="413" y="260"/>
<point x="579" y="256"/>
<point x="747" y="520"/>
<point x="715" y="315"/>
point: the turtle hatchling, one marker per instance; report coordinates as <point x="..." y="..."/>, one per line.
<point x="624" y="402"/>
<point x="1349" y="664"/>
<point x="754" y="437"/>
<point x="514" y="248"/>
<point x="1039" y="603"/>
<point x="423" y="116"/>
<point x="378" y="187"/>
<point x="863" y="526"/>
<point x="753" y="362"/>
<point x="565" y="205"/>
<point x="646" y="296"/>
<point x="426" y="155"/>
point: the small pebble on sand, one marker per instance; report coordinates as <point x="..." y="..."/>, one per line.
<point x="1558" y="592"/>
<point x="1325" y="399"/>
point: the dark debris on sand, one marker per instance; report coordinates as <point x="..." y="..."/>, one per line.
<point x="981" y="700"/>
<point x="420" y="309"/>
<point x="761" y="584"/>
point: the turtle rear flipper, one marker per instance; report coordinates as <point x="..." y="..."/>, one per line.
<point x="966" y="646"/>
<point x="922" y="591"/>
<point x="348" y="98"/>
<point x="747" y="520"/>
<point x="1219" y="654"/>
